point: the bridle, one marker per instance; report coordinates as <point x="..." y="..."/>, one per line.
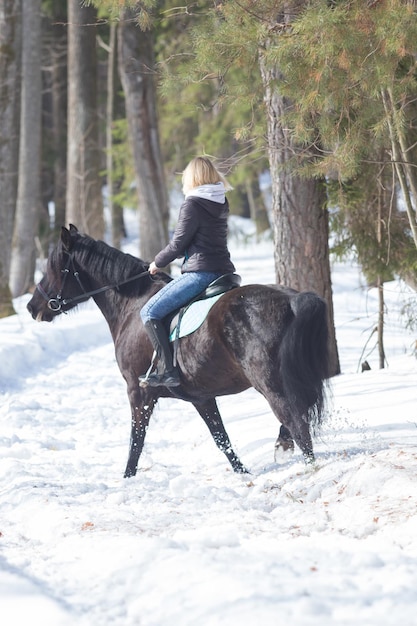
<point x="56" y="303"/>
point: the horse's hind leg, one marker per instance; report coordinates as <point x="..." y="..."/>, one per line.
<point x="284" y="444"/>
<point x="294" y="427"/>
<point x="210" y="413"/>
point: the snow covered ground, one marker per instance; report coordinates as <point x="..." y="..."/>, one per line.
<point x="186" y="542"/>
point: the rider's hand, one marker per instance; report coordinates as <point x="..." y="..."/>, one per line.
<point x="152" y="268"/>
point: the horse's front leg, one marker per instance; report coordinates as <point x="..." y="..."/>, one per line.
<point x="210" y="413"/>
<point x="142" y="405"/>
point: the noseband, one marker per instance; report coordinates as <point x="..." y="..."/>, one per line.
<point x="56" y="303"/>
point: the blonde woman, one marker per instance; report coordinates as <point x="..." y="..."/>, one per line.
<point x="201" y="238"/>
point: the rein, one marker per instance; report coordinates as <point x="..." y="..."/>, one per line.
<point x="56" y="304"/>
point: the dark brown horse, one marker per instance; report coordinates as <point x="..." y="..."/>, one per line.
<point x="271" y="338"/>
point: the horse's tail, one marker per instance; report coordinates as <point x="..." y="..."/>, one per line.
<point x="304" y="357"/>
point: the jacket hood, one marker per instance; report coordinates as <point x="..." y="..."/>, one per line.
<point x="214" y="192"/>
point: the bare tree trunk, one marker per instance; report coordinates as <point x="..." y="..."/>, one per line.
<point x="300" y="220"/>
<point x="84" y="197"/>
<point x="381" y="190"/>
<point x="136" y="67"/>
<point x="59" y="50"/>
<point x="381" y="350"/>
<point x="257" y="206"/>
<point x="111" y="68"/>
<point x="10" y="59"/>
<point x="115" y="210"/>
<point x="405" y="171"/>
<point x="23" y="260"/>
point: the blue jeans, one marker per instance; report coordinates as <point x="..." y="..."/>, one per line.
<point x="176" y="293"/>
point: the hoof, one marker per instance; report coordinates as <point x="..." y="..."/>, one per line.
<point x="283" y="450"/>
<point x="310" y="459"/>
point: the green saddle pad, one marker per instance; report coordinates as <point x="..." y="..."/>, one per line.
<point x="193" y="317"/>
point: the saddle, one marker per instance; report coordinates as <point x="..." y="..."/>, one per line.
<point x="196" y="314"/>
<point x="224" y="283"/>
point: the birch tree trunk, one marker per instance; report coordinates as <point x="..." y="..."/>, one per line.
<point x="23" y="259"/>
<point x="136" y="68"/>
<point x="10" y="58"/>
<point x="84" y="198"/>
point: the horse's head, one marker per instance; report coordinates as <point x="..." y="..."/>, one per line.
<point x="60" y="288"/>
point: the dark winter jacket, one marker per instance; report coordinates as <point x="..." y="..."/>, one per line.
<point x="201" y="237"/>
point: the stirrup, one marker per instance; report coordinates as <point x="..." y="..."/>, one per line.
<point x="143" y="380"/>
<point x="166" y="379"/>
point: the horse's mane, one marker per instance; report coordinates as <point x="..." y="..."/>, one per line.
<point x="104" y="263"/>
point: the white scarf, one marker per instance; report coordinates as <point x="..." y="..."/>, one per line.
<point x="214" y="192"/>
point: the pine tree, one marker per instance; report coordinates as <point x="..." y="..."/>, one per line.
<point x="354" y="91"/>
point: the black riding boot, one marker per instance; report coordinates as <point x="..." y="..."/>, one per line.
<point x="159" y="338"/>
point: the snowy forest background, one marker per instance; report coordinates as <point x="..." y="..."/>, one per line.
<point x="120" y="94"/>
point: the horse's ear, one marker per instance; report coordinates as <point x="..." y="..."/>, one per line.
<point x="66" y="238"/>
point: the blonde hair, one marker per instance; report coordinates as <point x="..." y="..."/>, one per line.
<point x="201" y="171"/>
